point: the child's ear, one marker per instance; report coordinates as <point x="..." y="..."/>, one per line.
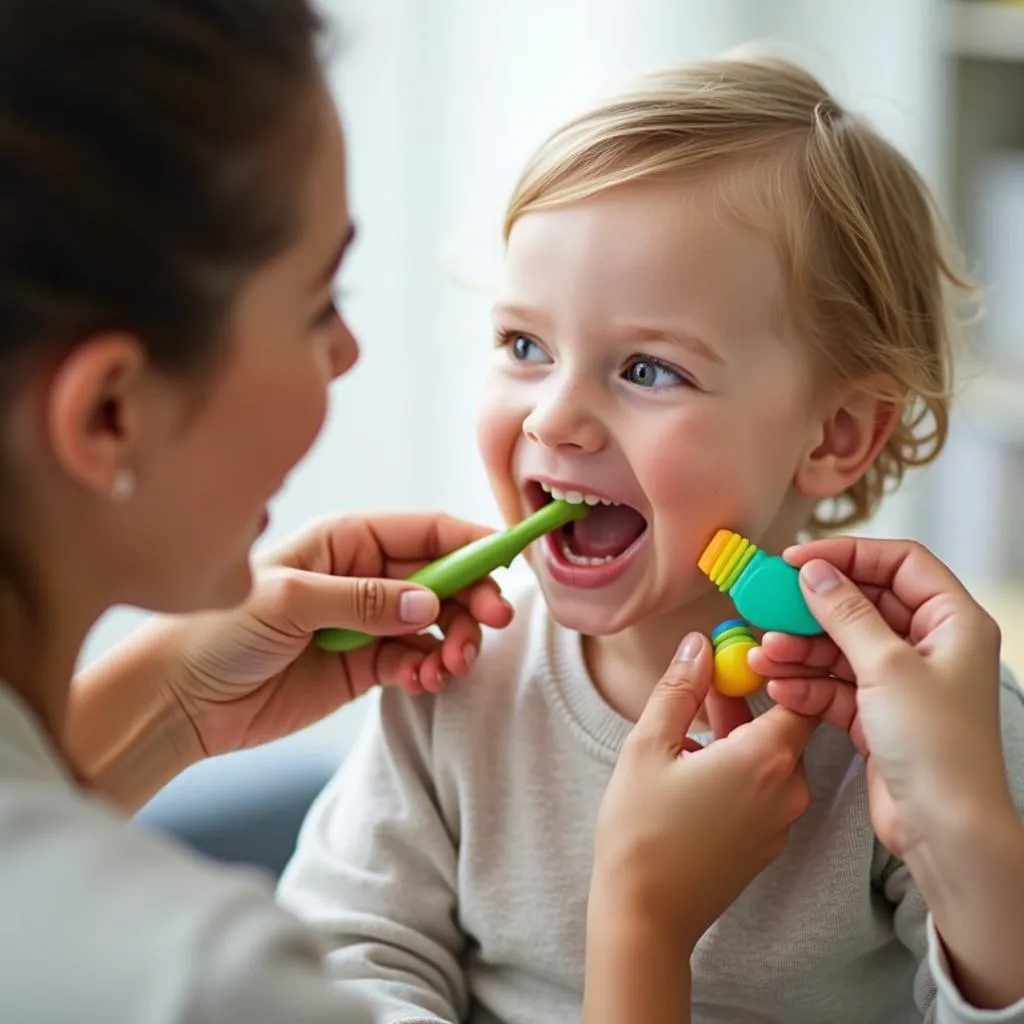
<point x="858" y="423"/>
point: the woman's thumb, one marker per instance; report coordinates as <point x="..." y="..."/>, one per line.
<point x="379" y="606"/>
<point x="849" y="618"/>
<point x="678" y="696"/>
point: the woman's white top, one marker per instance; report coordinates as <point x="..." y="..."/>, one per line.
<point x="104" y="923"/>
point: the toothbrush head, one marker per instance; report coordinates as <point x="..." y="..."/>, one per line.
<point x="725" y="558"/>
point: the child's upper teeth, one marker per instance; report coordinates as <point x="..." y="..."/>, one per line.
<point x="576" y="497"/>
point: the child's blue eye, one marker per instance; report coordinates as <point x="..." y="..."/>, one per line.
<point x="648" y="373"/>
<point x="526" y="350"/>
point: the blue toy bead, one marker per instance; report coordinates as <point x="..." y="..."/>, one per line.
<point x="728" y="624"/>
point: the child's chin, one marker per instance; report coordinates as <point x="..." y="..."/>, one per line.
<point x="587" y="614"/>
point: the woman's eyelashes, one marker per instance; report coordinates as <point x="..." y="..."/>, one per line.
<point x="329" y="312"/>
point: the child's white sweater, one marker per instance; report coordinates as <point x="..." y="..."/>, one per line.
<point x="449" y="863"/>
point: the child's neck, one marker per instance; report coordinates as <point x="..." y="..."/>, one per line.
<point x="626" y="666"/>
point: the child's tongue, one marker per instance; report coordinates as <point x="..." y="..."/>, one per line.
<point x="606" y="532"/>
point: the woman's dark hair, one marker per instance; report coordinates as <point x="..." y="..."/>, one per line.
<point x="150" y="152"/>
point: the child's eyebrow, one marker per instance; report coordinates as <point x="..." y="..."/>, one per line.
<point x="639" y="333"/>
<point x="643" y="332"/>
<point x="518" y="311"/>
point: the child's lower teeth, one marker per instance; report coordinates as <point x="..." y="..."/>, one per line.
<point x="574" y="559"/>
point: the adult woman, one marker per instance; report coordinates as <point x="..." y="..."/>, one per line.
<point x="174" y="215"/>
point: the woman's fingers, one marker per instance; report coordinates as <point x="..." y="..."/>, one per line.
<point x="825" y="699"/>
<point x="782" y="654"/>
<point x="428" y="663"/>
<point x="906" y="569"/>
<point x="486" y="605"/>
<point x="483" y="599"/>
<point x="726" y="713"/>
<point x="675" y="701"/>
<point x="462" y="638"/>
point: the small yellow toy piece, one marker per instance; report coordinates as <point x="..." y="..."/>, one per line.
<point x="731" y="641"/>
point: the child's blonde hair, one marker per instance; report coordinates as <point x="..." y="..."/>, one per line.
<point x="855" y="225"/>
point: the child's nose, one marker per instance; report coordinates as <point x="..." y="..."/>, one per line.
<point x="563" y="421"/>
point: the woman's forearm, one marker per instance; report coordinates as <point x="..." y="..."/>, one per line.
<point x="633" y="973"/>
<point x="127" y="734"/>
<point x="973" y="882"/>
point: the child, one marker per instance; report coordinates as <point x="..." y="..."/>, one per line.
<point x="722" y="305"/>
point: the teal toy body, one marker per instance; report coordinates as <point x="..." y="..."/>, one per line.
<point x="768" y="595"/>
<point x="462" y="568"/>
<point x="764" y="588"/>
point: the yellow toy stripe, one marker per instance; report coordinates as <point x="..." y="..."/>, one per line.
<point x="741" y="564"/>
<point x="725" y="558"/>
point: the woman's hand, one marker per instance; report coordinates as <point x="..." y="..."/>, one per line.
<point x="253" y="674"/>
<point x="181" y="689"/>
<point x="912" y="671"/>
<point x="925" y="660"/>
<point x="681" y="832"/>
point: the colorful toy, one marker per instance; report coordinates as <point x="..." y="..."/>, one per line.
<point x="764" y="588"/>
<point x="766" y="592"/>
<point x="731" y="641"/>
<point x="460" y="569"/>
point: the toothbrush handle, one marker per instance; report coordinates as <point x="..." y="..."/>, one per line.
<point x="342" y="641"/>
<point x="462" y="568"/>
<point x="445" y="577"/>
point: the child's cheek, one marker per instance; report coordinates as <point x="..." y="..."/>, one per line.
<point x="497" y="437"/>
<point x="690" y="484"/>
<point x="697" y="496"/>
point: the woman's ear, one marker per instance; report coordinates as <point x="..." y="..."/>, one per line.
<point x="93" y="410"/>
<point x="856" y="426"/>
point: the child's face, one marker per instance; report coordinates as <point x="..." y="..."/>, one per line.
<point x="644" y="359"/>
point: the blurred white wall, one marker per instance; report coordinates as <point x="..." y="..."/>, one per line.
<point x="442" y="103"/>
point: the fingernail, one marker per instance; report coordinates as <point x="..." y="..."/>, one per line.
<point x="469" y="653"/>
<point x="819" y="576"/>
<point x="690" y="648"/>
<point x="416" y="606"/>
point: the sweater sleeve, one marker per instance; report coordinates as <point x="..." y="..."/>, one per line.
<point x="375" y="870"/>
<point x="935" y="991"/>
<point x="105" y="922"/>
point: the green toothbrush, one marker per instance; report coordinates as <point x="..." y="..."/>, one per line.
<point x="468" y="565"/>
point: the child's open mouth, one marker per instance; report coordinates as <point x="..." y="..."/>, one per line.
<point x="596" y="549"/>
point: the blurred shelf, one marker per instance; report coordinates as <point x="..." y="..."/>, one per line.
<point x="995" y="404"/>
<point x="986" y="30"/>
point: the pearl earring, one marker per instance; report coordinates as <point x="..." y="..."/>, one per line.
<point x="124" y="486"/>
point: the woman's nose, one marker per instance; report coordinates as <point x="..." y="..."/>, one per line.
<point x="563" y="421"/>
<point x="344" y="351"/>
